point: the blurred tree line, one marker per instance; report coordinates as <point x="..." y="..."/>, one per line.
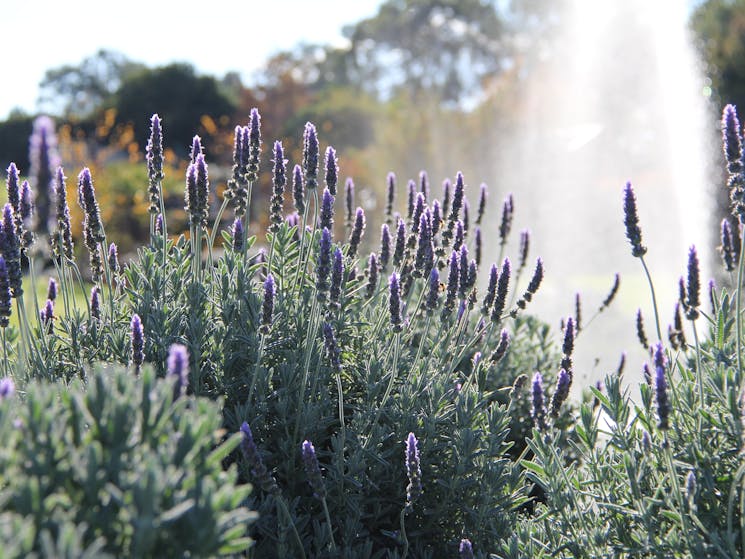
<point x="419" y="85"/>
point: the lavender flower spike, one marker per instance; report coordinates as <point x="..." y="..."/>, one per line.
<point x="394" y="289"/>
<point x="44" y="158"/>
<point x="279" y="180"/>
<point x="310" y="156"/>
<point x="238" y="235"/>
<point x="727" y="248"/>
<point x="731" y="140"/>
<point x="391" y="186"/>
<point x="563" y="383"/>
<point x="62" y="242"/>
<point x="413" y="472"/>
<point x="261" y="475"/>
<point x="465" y="551"/>
<point x="385" y="246"/>
<point x="298" y="189"/>
<point x="138" y="342"/>
<point x="254" y="145"/>
<point x="332" y="170"/>
<point x="312" y="470"/>
<point x="52" y="289"/>
<point x="113" y="258"/>
<point x="95" y="303"/>
<point x="631" y="220"/>
<point x="331" y="347"/>
<point x="327" y="210"/>
<point x="154" y="157"/>
<point x="337" y="278"/>
<point x="663" y="402"/>
<point x="10" y="247"/>
<point x="357" y="230"/>
<point x="500" y="299"/>
<point x="693" y="286"/>
<point x="6" y="305"/>
<point x="268" y="304"/>
<point x="433" y="291"/>
<point x="7" y="388"/>
<point x="178" y="368"/>
<point x="502" y="347"/>
<point x="539" y="408"/>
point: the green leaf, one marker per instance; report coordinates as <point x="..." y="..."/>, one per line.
<point x="217" y="455"/>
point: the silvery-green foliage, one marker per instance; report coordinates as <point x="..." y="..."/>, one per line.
<point x="115" y="468"/>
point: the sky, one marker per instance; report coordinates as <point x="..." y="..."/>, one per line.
<point x="217" y="36"/>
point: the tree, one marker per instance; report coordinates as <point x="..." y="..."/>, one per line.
<point x="720" y="28"/>
<point x="77" y="91"/>
<point x="179" y="96"/>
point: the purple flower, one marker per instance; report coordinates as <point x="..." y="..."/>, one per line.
<point x="331" y="347"/>
<point x="539" y="407"/>
<point x="357" y="230"/>
<point x="332" y="170"/>
<point x="261" y="475"/>
<point x="323" y="265"/>
<point x="433" y="291"/>
<point x="92" y="227"/>
<point x="7" y="388"/>
<point x="505" y="226"/>
<point x="159" y="228"/>
<point x="460" y="235"/>
<point x="466" y="549"/>
<point x="312" y="470"/>
<point x="372" y="276"/>
<point x="47" y="316"/>
<point x="298" y="188"/>
<point x="418" y="211"/>
<point x="562" y="392"/>
<point x="477" y="245"/>
<point x="728" y="248"/>
<point x="663" y="402"/>
<point x="349" y="201"/>
<point x="310" y="156"/>
<point x="466" y="216"/>
<point x="279" y="180"/>
<point x="731" y="140"/>
<point x="611" y="294"/>
<point x="254" y="145"/>
<point x="452" y="287"/>
<point x="154" y="157"/>
<point x="425" y="252"/>
<point x="10" y="248"/>
<point x="178" y="368"/>
<point x="400" y="247"/>
<point x="24" y="217"/>
<point x="691" y="486"/>
<point x="394" y="302"/>
<point x="410" y="206"/>
<point x="44" y="158"/>
<point x="138" y="342"/>
<point x="501" y="350"/>
<point x="391" y="188"/>
<point x="337" y="277"/>
<point x="238" y="235"/>
<point x="95" y="303"/>
<point x="267" y="308"/>
<point x="446" y="186"/>
<point x="424" y="184"/>
<point x="482" y="203"/>
<point x="693" y="286"/>
<point x="327" y="210"/>
<point x="196" y="149"/>
<point x="500" y="299"/>
<point x="463" y="269"/>
<point x="203" y="189"/>
<point x="640" y="333"/>
<point x="385" y="247"/>
<point x="5" y="295"/>
<point x="413" y="472"/>
<point x="113" y="258"/>
<point x="62" y="242"/>
<point x="491" y="290"/>
<point x="631" y="220"/>
<point x="436" y="217"/>
<point x="13" y="188"/>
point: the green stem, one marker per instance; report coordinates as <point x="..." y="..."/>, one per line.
<point x="738" y="310"/>
<point x="654" y="298"/>
<point x="389" y="388"/>
<point x="328" y="521"/>
<point x="403" y="534"/>
<point x="286" y="511"/>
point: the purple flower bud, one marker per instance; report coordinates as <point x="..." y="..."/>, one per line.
<point x="452" y="287"/>
<point x="524" y="247"/>
<point x="47" y="316"/>
<point x="52" y="289"/>
<point x="372" y="276"/>
<point x="113" y="258"/>
<point x="138" y="342"/>
<point x="693" y="286"/>
<point x="458" y="196"/>
<point x="279" y="180"/>
<point x="26" y="204"/>
<point x="7" y="388"/>
<point x="13" y="188"/>
<point x="394" y="302"/>
<point x="466" y="216"/>
<point x="463" y="269"/>
<point x="425" y="252"/>
<point x="731" y="140"/>
<point x="502" y="347"/>
<point x="436" y="217"/>
<point x="398" y="252"/>
<point x="491" y="290"/>
<point x="424" y="184"/>
<point x="663" y="402"/>
<point x="254" y="145"/>
<point x="568" y="346"/>
<point x="691" y="486"/>
<point x="268" y="304"/>
<point x="10" y="248"/>
<point x="461" y="309"/>
<point x="44" y="158"/>
<point x="465" y="550"/>
<point x="349" y="201"/>
<point x="62" y="242"/>
<point x="95" y="303"/>
<point x="261" y="475"/>
<point x="482" y="203"/>
<point x="460" y="235"/>
<point x="640" y="333"/>
<point x="202" y="189"/>
<point x="660" y="360"/>
<point x="238" y="234"/>
<point x="327" y="210"/>
<point x="357" y="230"/>
<point x="727" y="248"/>
<point x="154" y="157"/>
<point x="506" y="224"/>
<point x="413" y="472"/>
<point x="433" y="291"/>
<point x="298" y="188"/>
<point x="646" y="443"/>
<point x="712" y="296"/>
<point x="631" y="220"/>
<point x="446" y="187"/>
<point x="562" y="392"/>
<point x="332" y="170"/>
<point x="612" y="294"/>
<point x="310" y="156"/>
<point x="500" y="299"/>
<point x="539" y="408"/>
<point x="159" y="227"/>
<point x="196" y="149"/>
<point x="385" y="247"/>
<point x="323" y="265"/>
<point x="391" y="185"/>
<point x="331" y="347"/>
<point x="411" y="188"/>
<point x="647" y="374"/>
<point x="337" y="277"/>
<point x="312" y="470"/>
<point x="5" y="295"/>
<point x="477" y="245"/>
<point x="418" y="211"/>
<point x="178" y="368"/>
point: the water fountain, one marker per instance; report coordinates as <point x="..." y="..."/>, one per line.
<point x="618" y="97"/>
